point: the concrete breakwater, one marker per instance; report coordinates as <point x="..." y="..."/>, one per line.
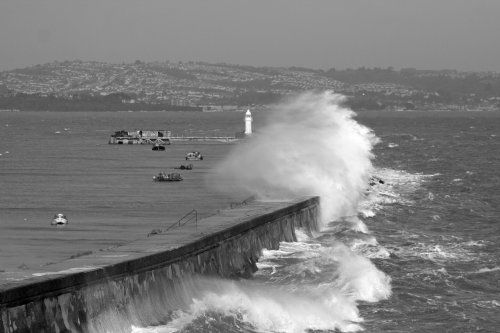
<point x="137" y="284"/>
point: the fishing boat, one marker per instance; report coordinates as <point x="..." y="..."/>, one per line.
<point x="59" y="219"/>
<point x="195" y="155"/>
<point x="171" y="177"/>
<point x="185" y="167"/>
<point x="158" y="147"/>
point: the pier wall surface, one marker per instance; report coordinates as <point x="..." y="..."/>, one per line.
<point x="139" y="283"/>
<point x="225" y="139"/>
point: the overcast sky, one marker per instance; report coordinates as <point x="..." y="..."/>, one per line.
<point x="321" y="34"/>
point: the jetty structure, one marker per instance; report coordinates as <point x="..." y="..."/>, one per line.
<point x="165" y="137"/>
<point x="140" y="137"/>
<point x="141" y="283"/>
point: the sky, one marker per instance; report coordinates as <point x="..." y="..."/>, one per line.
<point x="318" y="34"/>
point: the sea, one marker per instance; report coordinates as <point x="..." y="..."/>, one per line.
<point x="410" y="209"/>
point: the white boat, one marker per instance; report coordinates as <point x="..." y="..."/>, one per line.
<point x="195" y="155"/>
<point x="59" y="219"/>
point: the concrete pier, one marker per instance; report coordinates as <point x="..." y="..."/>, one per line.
<point x="225" y="139"/>
<point x="84" y="293"/>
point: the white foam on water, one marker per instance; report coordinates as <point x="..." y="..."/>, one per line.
<point x="397" y="186"/>
<point x="329" y="305"/>
<point x="440" y="253"/>
<point x="487" y="270"/>
<point x="476" y="243"/>
<point x="266" y="309"/>
<point x="358" y="276"/>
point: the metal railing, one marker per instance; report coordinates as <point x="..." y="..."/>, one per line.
<point x="192" y="215"/>
<point x="185" y="220"/>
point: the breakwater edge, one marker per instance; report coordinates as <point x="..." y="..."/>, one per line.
<point x="118" y="288"/>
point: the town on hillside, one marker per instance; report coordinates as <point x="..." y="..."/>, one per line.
<point x="199" y="86"/>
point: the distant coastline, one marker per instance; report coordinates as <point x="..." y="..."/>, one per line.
<point x="199" y="86"/>
<point x="25" y="102"/>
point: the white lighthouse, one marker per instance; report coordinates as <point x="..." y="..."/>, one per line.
<point x="248" y="123"/>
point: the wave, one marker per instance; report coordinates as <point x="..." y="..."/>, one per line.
<point x="306" y="285"/>
<point x="311" y="145"/>
<point x="247" y="306"/>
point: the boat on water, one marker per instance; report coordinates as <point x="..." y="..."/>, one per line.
<point x="193" y="156"/>
<point x="170" y="177"/>
<point x="59" y="219"/>
<point x="158" y="147"/>
<point x="185" y="167"/>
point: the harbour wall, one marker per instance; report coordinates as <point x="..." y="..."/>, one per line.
<point x="169" y="140"/>
<point x="139" y="283"/>
<point x="225" y="139"/>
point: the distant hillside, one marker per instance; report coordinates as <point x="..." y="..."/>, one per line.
<point x="451" y="84"/>
<point x="76" y="85"/>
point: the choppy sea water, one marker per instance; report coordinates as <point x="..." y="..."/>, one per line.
<point x="419" y="254"/>
<point x="56" y="162"/>
<point x="442" y="227"/>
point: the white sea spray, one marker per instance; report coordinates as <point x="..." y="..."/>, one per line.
<point x="310" y="145"/>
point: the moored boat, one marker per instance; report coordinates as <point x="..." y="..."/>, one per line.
<point x="59" y="219"/>
<point x="195" y="155"/>
<point x="158" y="147"/>
<point x="171" y="177"/>
<point x="185" y="167"/>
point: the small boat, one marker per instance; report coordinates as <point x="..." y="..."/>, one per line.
<point x="185" y="167"/>
<point x="158" y="147"/>
<point x="195" y="155"/>
<point x="171" y="177"/>
<point x="59" y="219"/>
